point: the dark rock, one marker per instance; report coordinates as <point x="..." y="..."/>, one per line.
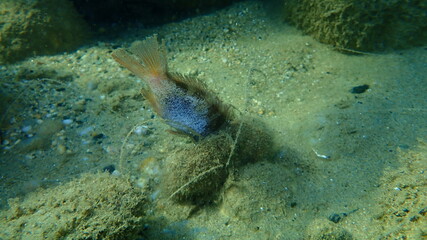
<point x="414" y="218"/>
<point x="423" y="211"/>
<point x="359" y="89"/>
<point x="98" y="136"/>
<point x="110" y="168"/>
<point x="335" y="218"/>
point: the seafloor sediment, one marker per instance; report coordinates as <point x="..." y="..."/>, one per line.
<point x="349" y="162"/>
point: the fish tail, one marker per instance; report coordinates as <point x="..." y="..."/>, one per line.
<point x="126" y="60"/>
<point x="152" y="54"/>
<point x="148" y="60"/>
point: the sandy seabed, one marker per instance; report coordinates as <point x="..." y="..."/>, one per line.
<point x="346" y="165"/>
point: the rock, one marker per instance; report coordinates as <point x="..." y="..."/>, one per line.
<point x="94" y="206"/>
<point x="359" y="89"/>
<point x="335" y="218"/>
<point x="197" y="173"/>
<point x="361" y="25"/>
<point x="38" y="27"/>
<point x="61" y="149"/>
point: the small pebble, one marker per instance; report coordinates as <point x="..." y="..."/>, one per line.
<point x="141" y="130"/>
<point x="335" y="218"/>
<point x="61" y="149"/>
<point x="67" y="121"/>
<point x="359" y="89"/>
<point x="116" y="173"/>
<point x="96" y="136"/>
<point x="26" y="129"/>
<point x="80" y="106"/>
<point x="86" y="131"/>
<point x="110" y="168"/>
<point x="423" y="211"/>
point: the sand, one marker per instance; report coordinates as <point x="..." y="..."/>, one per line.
<point x="346" y="165"/>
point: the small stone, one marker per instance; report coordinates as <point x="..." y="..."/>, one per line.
<point x="61" y="149"/>
<point x="414" y="218"/>
<point x="423" y="211"/>
<point x="67" y="121"/>
<point x="26" y="129"/>
<point x="110" y="168"/>
<point x="80" y="106"/>
<point x="142" y="130"/>
<point x="335" y="218"/>
<point x="359" y="89"/>
<point x="97" y="137"/>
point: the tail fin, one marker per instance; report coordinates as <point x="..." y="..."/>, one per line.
<point x="151" y="56"/>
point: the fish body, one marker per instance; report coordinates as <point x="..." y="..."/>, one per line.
<point x="184" y="102"/>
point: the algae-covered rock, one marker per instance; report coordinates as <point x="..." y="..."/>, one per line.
<point x="197" y="173"/>
<point x="95" y="206"/>
<point x="361" y="25"/>
<point x="29" y="28"/>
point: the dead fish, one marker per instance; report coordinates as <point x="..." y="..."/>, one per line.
<point x="183" y="101"/>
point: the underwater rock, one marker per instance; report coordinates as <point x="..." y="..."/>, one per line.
<point x="361" y="25"/>
<point x="197" y="173"/>
<point x="359" y="89"/>
<point x="29" y="28"/>
<point x="95" y="206"/>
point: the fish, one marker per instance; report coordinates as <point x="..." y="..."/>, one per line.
<point x="184" y="102"/>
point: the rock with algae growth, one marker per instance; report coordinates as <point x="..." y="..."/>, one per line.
<point x="95" y="206"/>
<point x="35" y="27"/>
<point x="197" y="173"/>
<point x="361" y="25"/>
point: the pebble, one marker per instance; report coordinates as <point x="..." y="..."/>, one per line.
<point x="80" y="106"/>
<point x="141" y="130"/>
<point x="86" y="131"/>
<point x="423" y="211"/>
<point x="110" y="168"/>
<point x="61" y="149"/>
<point x="67" y="121"/>
<point x="97" y="136"/>
<point x="359" y="89"/>
<point x="26" y="129"/>
<point x="335" y="218"/>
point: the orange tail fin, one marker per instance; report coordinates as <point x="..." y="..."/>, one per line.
<point x="150" y="58"/>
